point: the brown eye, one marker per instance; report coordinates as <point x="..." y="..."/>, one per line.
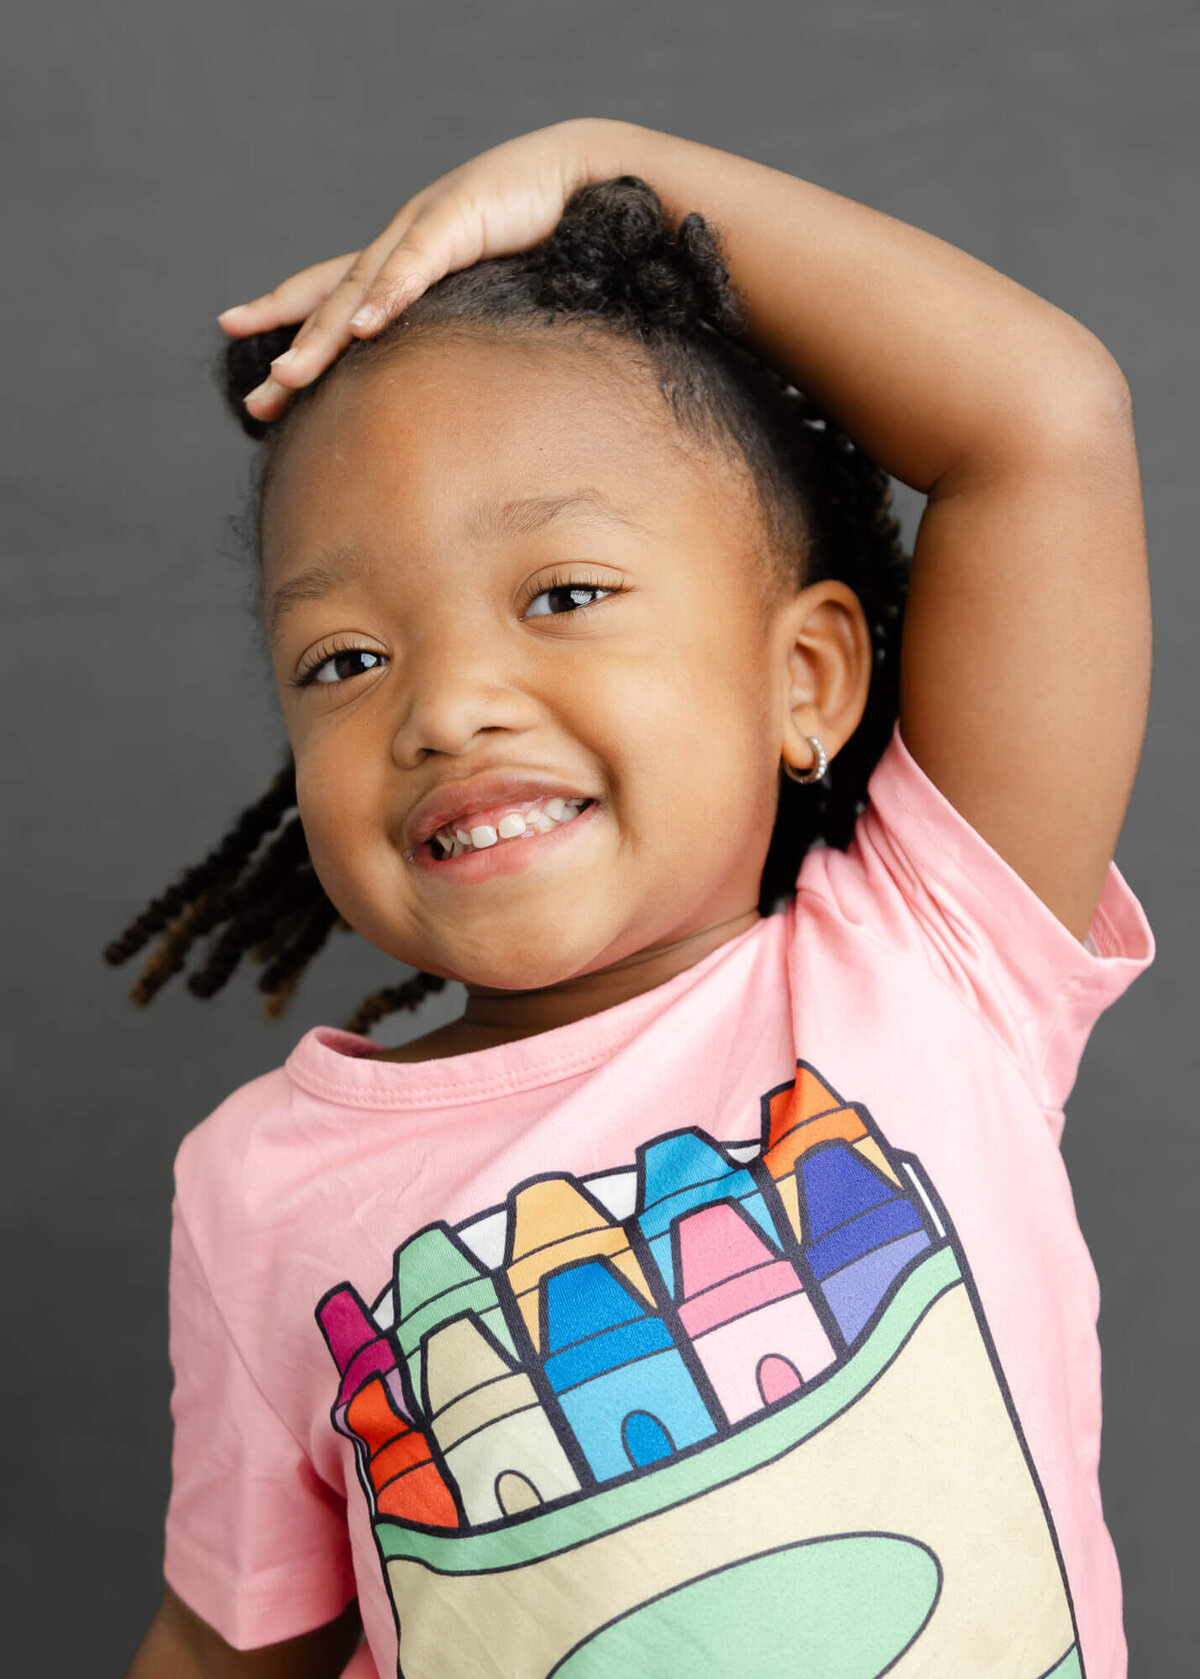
<point x="340" y="666"/>
<point x="566" y="597"/>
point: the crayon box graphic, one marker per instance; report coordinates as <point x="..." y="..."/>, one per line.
<point x="731" y="1411"/>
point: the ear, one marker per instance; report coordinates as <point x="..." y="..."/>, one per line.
<point x="823" y="659"/>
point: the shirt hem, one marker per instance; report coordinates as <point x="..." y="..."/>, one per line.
<point x="261" y="1609"/>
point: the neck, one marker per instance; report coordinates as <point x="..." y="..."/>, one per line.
<point x="504" y="1016"/>
<point x="501" y="1017"/>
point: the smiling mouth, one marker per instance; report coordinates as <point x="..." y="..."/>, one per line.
<point x="504" y="825"/>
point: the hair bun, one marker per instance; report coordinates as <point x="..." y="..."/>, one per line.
<point x="243" y="364"/>
<point x="615" y="253"/>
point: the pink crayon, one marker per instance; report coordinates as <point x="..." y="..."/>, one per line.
<point x="360" y="1349"/>
<point x="394" y="1456"/>
<point x="750" y="1322"/>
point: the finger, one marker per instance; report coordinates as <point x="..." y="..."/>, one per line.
<point x="444" y="237"/>
<point x="294" y="299"/>
<point x="402" y="279"/>
<point x="327" y="332"/>
<point x="267" y="401"/>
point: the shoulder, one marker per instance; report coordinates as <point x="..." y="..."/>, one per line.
<point x="228" y="1164"/>
<point x="934" y="898"/>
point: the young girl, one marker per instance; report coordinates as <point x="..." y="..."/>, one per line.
<point x="708" y="1299"/>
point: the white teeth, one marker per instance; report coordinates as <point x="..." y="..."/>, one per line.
<point x="540" y="819"/>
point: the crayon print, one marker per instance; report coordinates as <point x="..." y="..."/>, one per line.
<point x="555" y="1223"/>
<point x="619" y="1377"/>
<point x="497" y="1442"/>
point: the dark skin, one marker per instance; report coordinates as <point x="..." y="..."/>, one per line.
<point x="697" y="643"/>
<point x="179" y="1645"/>
<point x="701" y="643"/>
<point x="1026" y="658"/>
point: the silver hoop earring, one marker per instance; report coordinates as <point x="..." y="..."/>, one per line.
<point x="816" y="771"/>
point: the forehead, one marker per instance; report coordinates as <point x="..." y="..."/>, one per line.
<point x="426" y="443"/>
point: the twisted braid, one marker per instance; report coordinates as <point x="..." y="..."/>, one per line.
<point x="615" y="265"/>
<point x="271" y="907"/>
<point x="223" y="862"/>
<point x="410" y="995"/>
<point x="277" y="887"/>
<point x="281" y="977"/>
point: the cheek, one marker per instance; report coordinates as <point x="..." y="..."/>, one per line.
<point x="343" y="807"/>
<point x="686" y="737"/>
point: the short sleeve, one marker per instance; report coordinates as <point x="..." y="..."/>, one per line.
<point x="921" y="877"/>
<point x="256" y="1541"/>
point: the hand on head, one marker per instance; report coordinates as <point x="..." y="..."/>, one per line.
<point x="503" y="201"/>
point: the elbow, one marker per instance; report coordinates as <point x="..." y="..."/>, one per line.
<point x="1073" y="407"/>
<point x="1082" y="399"/>
<point x="1067" y="412"/>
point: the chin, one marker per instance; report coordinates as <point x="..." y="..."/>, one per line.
<point x="503" y="975"/>
<point x="517" y="964"/>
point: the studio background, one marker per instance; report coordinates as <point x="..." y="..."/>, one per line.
<point x="167" y="160"/>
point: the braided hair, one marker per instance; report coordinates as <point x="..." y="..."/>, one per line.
<point x="615" y="266"/>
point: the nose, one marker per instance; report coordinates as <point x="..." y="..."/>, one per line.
<point x="458" y="689"/>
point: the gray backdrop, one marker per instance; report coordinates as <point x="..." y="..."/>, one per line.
<point x="171" y="159"/>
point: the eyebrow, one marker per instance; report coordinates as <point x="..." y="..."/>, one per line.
<point x="487" y="521"/>
<point x="533" y="513"/>
<point x="314" y="583"/>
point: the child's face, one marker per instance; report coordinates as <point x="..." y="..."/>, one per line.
<point x="423" y="486"/>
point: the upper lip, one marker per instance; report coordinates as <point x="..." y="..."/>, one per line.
<point x="454" y="801"/>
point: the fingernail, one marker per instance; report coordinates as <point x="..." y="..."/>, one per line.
<point x="287" y="359"/>
<point x="234" y="309"/>
<point x="268" y="388"/>
<point x="369" y="315"/>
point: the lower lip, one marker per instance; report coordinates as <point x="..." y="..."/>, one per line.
<point x="506" y="856"/>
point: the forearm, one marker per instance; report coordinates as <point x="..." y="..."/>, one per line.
<point x="933" y="360"/>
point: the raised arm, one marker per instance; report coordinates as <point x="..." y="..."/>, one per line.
<point x="1026" y="659"/>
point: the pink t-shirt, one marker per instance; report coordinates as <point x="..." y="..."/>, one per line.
<point x="744" y="1328"/>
